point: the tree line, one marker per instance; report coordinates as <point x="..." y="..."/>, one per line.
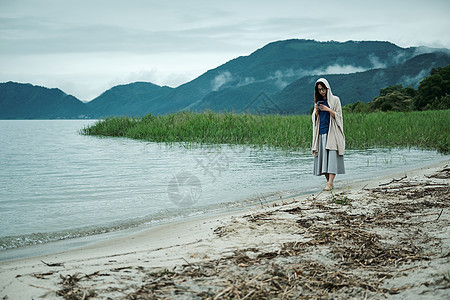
<point x="433" y="93"/>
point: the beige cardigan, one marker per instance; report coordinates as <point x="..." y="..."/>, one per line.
<point x="336" y="137"/>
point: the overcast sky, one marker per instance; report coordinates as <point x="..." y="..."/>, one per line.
<point x="85" y="47"/>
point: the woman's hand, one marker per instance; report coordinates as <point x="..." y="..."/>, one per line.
<point x="326" y="108"/>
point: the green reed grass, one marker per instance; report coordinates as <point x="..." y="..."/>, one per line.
<point x="425" y="130"/>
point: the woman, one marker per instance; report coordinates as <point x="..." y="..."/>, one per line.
<point x="328" y="144"/>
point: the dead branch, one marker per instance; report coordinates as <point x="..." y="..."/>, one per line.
<point x="393" y="181"/>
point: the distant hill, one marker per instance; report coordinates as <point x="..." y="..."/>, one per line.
<point x="26" y="101"/>
<point x="131" y="99"/>
<point x="276" y="78"/>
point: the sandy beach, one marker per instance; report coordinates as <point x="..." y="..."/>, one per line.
<point x="384" y="238"/>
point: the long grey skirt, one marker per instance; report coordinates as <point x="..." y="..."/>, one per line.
<point x="328" y="161"/>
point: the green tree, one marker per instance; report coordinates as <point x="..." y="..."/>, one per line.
<point x="439" y="104"/>
<point x="433" y="91"/>
<point x="391" y="89"/>
<point x="394" y="101"/>
<point x="357" y="107"/>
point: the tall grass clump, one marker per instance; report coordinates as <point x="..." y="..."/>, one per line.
<point x="223" y="128"/>
<point x="419" y="129"/>
<point x="116" y="127"/>
<point x="425" y="129"/>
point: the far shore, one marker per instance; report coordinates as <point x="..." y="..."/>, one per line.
<point x="385" y="237"/>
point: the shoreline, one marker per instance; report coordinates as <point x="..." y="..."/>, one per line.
<point x="73" y="243"/>
<point x="242" y="240"/>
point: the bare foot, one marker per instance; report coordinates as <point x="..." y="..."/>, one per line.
<point x="329" y="187"/>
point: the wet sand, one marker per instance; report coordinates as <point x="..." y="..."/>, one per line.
<point x="384" y="238"/>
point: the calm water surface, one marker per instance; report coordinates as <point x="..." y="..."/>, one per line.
<point x="56" y="184"/>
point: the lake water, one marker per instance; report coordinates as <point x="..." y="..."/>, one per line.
<point x="58" y="185"/>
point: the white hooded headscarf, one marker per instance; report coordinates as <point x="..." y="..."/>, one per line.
<point x="336" y="137"/>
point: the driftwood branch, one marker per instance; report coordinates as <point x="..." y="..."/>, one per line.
<point x="393" y="181"/>
<point x="53" y="265"/>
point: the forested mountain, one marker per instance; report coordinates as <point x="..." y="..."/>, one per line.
<point x="130" y="99"/>
<point x="278" y="78"/>
<point x="361" y="86"/>
<point x="26" y="101"/>
<point x="268" y="70"/>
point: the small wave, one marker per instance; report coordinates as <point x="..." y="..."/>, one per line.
<point x="12" y="242"/>
<point x="18" y="241"/>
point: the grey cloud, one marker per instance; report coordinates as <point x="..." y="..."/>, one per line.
<point x="220" y="80"/>
<point x="155" y="31"/>
<point x="212" y="33"/>
<point x="339" y="69"/>
<point x="423" y="50"/>
<point x="414" y="80"/>
<point x="155" y="76"/>
<point x="281" y="78"/>
<point x="284" y="77"/>
<point x="246" y="81"/>
<point x="376" y="63"/>
<point x="34" y="36"/>
<point x="400" y="57"/>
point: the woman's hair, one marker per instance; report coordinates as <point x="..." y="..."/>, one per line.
<point x="317" y="95"/>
